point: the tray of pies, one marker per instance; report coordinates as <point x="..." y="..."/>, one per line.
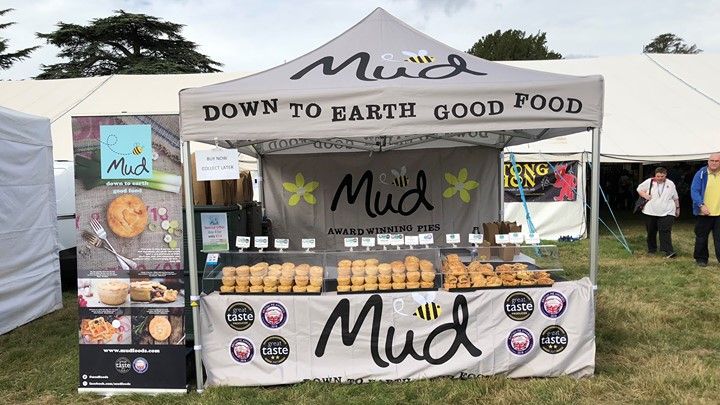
<point x="371" y="275"/>
<point x="266" y="273"/>
<point x="266" y="278"/>
<point x="461" y="277"/>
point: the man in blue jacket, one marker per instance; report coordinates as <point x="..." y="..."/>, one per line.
<point x="705" y="193"/>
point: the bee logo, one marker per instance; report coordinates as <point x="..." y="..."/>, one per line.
<point x="137" y="150"/>
<point x="401" y="179"/>
<point x="427" y="309"/>
<point x="420" y="57"/>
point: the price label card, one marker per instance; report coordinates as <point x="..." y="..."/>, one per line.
<point x="383" y="239"/>
<point x="368" y="242"/>
<point x="261" y="242"/>
<point x="412" y="240"/>
<point x="397" y="239"/>
<point x="212" y="259"/>
<point x="242" y="242"/>
<point x="532" y="238"/>
<point x="452" y="238"/>
<point x="351" y="242"/>
<point x="516" y="237"/>
<point x="502" y="239"/>
<point x="308" y="243"/>
<point x="475" y="238"/>
<point x="426" y="239"/>
<point x="282" y="243"/>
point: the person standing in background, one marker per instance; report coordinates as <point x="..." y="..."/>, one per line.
<point x="705" y="193"/>
<point x="661" y="209"/>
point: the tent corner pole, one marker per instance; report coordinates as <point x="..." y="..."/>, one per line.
<point x="192" y="262"/>
<point x="501" y="196"/>
<point x="595" y="207"/>
<point x="261" y="184"/>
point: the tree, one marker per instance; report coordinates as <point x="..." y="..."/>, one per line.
<point x="513" y="45"/>
<point x="669" y="43"/>
<point x="124" y="43"/>
<point x="7" y="59"/>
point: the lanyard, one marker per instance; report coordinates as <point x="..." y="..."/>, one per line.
<point x="660" y="188"/>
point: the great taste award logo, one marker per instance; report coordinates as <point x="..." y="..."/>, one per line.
<point x="125" y="152"/>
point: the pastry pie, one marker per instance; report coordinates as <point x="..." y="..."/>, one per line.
<point x="270" y="281"/>
<point x="127" y="216"/>
<point x="301" y="281"/>
<point x="160" y="328"/>
<point x="545" y="281"/>
<point x="113" y="292"/>
<point x="152" y="291"/>
<point x="316" y="271"/>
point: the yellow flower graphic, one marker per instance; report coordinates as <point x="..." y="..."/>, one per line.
<point x="300" y="189"/>
<point x="461" y="184"/>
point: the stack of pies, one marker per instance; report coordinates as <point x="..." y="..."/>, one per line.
<point x="272" y="278"/>
<point x="371" y="275"/>
<point x="151" y="291"/>
<point x="480" y="275"/>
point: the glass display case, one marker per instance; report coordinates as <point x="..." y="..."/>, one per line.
<point x="383" y="270"/>
<point x="376" y="271"/>
<point x="266" y="273"/>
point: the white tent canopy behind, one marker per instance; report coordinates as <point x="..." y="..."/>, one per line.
<point x="29" y="269"/>
<point x="657" y="107"/>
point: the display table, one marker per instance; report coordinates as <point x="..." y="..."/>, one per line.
<point x="250" y="340"/>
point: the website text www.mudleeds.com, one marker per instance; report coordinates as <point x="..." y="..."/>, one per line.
<point x="131" y="350"/>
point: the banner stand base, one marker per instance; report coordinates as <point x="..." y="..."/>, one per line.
<point x="127" y="391"/>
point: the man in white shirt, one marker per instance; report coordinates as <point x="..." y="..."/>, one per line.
<point x="661" y="209"/>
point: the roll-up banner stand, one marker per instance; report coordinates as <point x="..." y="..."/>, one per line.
<point x="131" y="293"/>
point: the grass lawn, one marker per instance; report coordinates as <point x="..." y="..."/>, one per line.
<point x="657" y="341"/>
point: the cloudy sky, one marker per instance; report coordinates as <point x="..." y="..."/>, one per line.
<point x="250" y="36"/>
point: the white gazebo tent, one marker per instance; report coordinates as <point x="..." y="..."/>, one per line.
<point x="386" y="86"/>
<point x="30" y="269"/>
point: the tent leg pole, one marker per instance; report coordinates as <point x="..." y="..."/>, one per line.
<point x="261" y="185"/>
<point x="192" y="262"/>
<point x="501" y="181"/>
<point x="595" y="207"/>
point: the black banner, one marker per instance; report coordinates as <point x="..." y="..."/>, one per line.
<point x="542" y="181"/>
